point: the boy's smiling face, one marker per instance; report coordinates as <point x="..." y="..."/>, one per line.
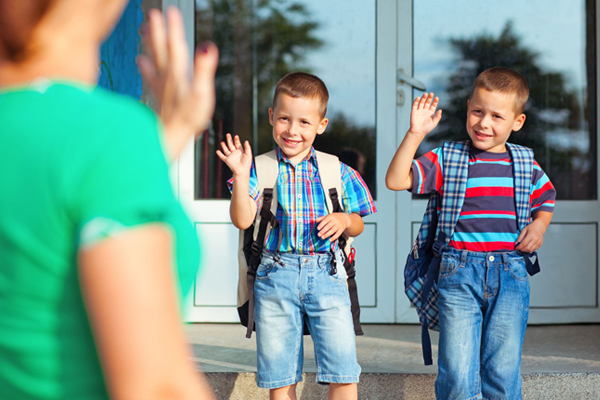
<point x="491" y="118"/>
<point x="296" y="123"/>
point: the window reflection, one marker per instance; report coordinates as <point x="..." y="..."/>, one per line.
<point x="262" y="40"/>
<point x="551" y="42"/>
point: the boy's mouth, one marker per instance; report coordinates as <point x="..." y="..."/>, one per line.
<point x="292" y="142"/>
<point x="482" y="136"/>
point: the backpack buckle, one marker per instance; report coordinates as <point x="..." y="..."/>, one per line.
<point x="256" y="248"/>
<point x="437" y="248"/>
<point x="438" y="245"/>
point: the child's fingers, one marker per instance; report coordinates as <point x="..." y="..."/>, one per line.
<point x="423" y="100"/>
<point x="221" y="155"/>
<point x="247" y="148"/>
<point x="237" y="142"/>
<point x="335" y="237"/>
<point x="429" y="100"/>
<point x="230" y="142"/>
<point x="434" y="103"/>
<point x="416" y="103"/>
<point x="225" y="149"/>
<point x="437" y="117"/>
<point x="326" y="232"/>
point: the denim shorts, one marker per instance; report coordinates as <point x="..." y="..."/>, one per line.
<point x="287" y="292"/>
<point x="483" y="308"/>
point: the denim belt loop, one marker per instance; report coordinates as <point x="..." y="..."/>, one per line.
<point x="463" y="256"/>
<point x="505" y="258"/>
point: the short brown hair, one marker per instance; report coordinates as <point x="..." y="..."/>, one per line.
<point x="303" y="85"/>
<point x="506" y="81"/>
<point x="17" y="21"/>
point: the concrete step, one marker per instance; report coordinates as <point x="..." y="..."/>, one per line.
<point x="559" y="362"/>
<point x="379" y="386"/>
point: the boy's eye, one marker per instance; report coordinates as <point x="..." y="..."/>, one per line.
<point x="498" y="116"/>
<point x="305" y="122"/>
<point x="283" y="118"/>
<point x="477" y="111"/>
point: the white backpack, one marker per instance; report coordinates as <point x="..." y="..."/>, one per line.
<point x="252" y="240"/>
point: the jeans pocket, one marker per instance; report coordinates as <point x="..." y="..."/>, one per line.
<point x="341" y="273"/>
<point x="518" y="270"/>
<point x="448" y="267"/>
<point x="265" y="268"/>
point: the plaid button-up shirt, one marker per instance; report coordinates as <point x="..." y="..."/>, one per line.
<point x="302" y="200"/>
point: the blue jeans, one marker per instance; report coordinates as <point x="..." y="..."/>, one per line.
<point x="483" y="308"/>
<point x="286" y="293"/>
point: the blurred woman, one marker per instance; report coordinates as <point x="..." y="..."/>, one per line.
<point x="94" y="248"/>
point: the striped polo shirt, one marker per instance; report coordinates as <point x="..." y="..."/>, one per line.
<point x="488" y="219"/>
<point x="302" y="201"/>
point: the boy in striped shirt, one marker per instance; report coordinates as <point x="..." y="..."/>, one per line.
<point x="483" y="285"/>
<point x="295" y="280"/>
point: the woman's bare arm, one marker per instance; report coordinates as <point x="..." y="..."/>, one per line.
<point x="130" y="294"/>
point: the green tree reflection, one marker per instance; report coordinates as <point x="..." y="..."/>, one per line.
<point x="557" y="125"/>
<point x="260" y="41"/>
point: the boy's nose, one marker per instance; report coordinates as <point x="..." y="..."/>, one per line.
<point x="292" y="128"/>
<point x="485" y="122"/>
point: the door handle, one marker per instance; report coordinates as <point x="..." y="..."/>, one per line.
<point x="409" y="80"/>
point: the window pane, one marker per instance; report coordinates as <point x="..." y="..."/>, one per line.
<point x="262" y="40"/>
<point x="551" y="42"/>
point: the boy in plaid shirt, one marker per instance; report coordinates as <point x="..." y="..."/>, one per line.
<point x="483" y="284"/>
<point x="294" y="281"/>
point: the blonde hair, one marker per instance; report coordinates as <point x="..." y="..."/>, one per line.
<point x="506" y="81"/>
<point x="303" y="85"/>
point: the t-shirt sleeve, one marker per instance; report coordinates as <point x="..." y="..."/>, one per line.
<point x="253" y="186"/>
<point x="356" y="197"/>
<point x="428" y="175"/>
<point x="543" y="193"/>
<point x="118" y="176"/>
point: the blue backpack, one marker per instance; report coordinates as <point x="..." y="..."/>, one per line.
<point x="423" y="262"/>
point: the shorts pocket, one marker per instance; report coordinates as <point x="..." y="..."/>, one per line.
<point x="448" y="267"/>
<point x="265" y="268"/>
<point x="518" y="270"/>
<point x="341" y="273"/>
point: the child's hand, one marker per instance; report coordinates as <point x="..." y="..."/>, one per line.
<point x="423" y="118"/>
<point x="237" y="158"/>
<point x="333" y="225"/>
<point x="531" y="237"/>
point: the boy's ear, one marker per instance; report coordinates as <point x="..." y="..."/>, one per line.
<point x="519" y="122"/>
<point x="271" y="115"/>
<point x="322" y="125"/>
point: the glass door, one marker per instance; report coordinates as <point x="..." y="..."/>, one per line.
<point x="553" y="43"/>
<point x="351" y="46"/>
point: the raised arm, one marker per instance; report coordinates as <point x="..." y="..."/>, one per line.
<point x="423" y="119"/>
<point x="130" y="295"/>
<point x="242" y="208"/>
<point x="185" y="100"/>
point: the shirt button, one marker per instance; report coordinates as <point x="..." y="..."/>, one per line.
<point x="299" y="196"/>
<point x="491" y="258"/>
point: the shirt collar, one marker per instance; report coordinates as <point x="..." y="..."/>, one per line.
<point x="282" y="157"/>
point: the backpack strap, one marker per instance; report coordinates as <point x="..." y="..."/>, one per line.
<point x="455" y="170"/>
<point x="267" y="170"/>
<point x="522" y="158"/>
<point x="331" y="181"/>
